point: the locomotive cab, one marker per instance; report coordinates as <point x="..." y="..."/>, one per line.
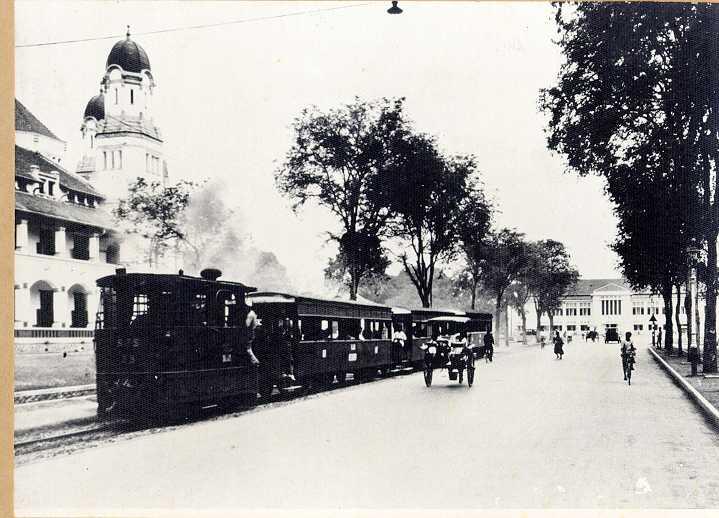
<point x="163" y="342"/>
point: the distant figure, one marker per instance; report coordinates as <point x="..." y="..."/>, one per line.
<point x="659" y="338"/>
<point x="488" y="346"/>
<point x="558" y="345"/>
<point x="628" y="353"/>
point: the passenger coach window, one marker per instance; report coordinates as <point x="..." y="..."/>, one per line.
<point x="140" y="307"/>
<point x="335" y="330"/>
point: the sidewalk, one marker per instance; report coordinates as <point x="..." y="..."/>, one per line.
<point x="706" y="386"/>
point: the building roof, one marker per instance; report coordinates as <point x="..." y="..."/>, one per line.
<point x="96" y="107"/>
<point x="26" y="121"/>
<point x="94" y="217"/>
<point x="128" y="55"/>
<point x="25" y="158"/>
<point x="585" y="287"/>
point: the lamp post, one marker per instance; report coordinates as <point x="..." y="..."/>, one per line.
<point x="693" y="347"/>
<point x="653" y="326"/>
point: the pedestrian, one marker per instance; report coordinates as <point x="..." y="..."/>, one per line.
<point x="488" y="346"/>
<point x="659" y="338"/>
<point x="251" y="323"/>
<point x="628" y="352"/>
<point x="558" y="345"/>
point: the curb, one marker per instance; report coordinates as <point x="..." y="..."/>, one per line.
<point x="30" y="396"/>
<point x="709" y="409"/>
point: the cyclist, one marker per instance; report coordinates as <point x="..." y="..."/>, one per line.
<point x="628" y="352"/>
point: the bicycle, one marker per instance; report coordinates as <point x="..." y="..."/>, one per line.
<point x="628" y="366"/>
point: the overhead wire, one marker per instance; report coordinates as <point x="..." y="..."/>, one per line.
<point x="197" y="27"/>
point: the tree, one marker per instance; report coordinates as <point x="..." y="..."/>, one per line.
<point x="473" y="228"/>
<point x="337" y="160"/>
<point x="550" y="275"/>
<point x="638" y="96"/>
<point x="517" y="298"/>
<point x="504" y="256"/>
<point x="371" y="261"/>
<point x="156" y="213"/>
<point x="426" y="194"/>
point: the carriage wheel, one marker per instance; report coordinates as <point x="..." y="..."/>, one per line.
<point x="470" y="376"/>
<point x="428" y="376"/>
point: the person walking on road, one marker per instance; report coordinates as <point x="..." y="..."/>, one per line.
<point x="628" y="353"/>
<point x="488" y="346"/>
<point x="558" y="345"/>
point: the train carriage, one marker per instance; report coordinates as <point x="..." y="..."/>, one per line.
<point x="163" y="342"/>
<point x="329" y="338"/>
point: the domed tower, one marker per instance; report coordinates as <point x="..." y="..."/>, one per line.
<point x="121" y="140"/>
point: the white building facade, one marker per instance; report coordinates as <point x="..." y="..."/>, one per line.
<point x="599" y="304"/>
<point x="64" y="237"/>
<point x="63" y="243"/>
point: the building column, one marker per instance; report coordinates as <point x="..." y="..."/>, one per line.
<point x="24" y="314"/>
<point x="60" y="242"/>
<point x="21" y="236"/>
<point x="94" y="247"/>
<point x="61" y="308"/>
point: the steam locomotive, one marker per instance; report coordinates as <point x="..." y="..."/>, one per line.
<point x="169" y="342"/>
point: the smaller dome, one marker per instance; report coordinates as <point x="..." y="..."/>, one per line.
<point x="96" y="107"/>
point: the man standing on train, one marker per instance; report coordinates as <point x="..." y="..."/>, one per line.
<point x="251" y="322"/>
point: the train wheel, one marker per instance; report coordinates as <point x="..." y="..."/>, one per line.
<point x="266" y="390"/>
<point x="428" y="376"/>
<point x="248" y="400"/>
<point x="470" y="376"/>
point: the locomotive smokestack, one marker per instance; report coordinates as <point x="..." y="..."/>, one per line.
<point x="210" y="274"/>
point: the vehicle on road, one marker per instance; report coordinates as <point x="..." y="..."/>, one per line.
<point x="611" y="335"/>
<point x="451" y="348"/>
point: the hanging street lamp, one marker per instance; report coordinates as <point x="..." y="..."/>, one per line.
<point x="394" y="9"/>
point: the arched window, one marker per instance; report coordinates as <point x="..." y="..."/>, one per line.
<point x="132" y="96"/>
<point x="119" y="159"/>
<point x="92" y="141"/>
<point x="117" y="98"/>
<point x="77" y="301"/>
<point x="104" y="157"/>
<point x="42" y="295"/>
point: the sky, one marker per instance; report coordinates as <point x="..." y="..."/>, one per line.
<point x="226" y="96"/>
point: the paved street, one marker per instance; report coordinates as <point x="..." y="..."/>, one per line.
<point x="533" y="432"/>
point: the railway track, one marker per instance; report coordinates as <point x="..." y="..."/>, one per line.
<point x="42" y="443"/>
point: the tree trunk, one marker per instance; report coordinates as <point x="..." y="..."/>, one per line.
<point x="688" y="311"/>
<point x="551" y="325"/>
<point x="523" y="314"/>
<point x="506" y="326"/>
<point x="539" y="324"/>
<point x="710" y="316"/>
<point x="497" y="314"/>
<point x="668" y="326"/>
<point x="677" y="320"/>
<point x="697" y="319"/>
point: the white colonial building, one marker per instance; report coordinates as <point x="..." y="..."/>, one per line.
<point x="599" y="304"/>
<point x="64" y="239"/>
